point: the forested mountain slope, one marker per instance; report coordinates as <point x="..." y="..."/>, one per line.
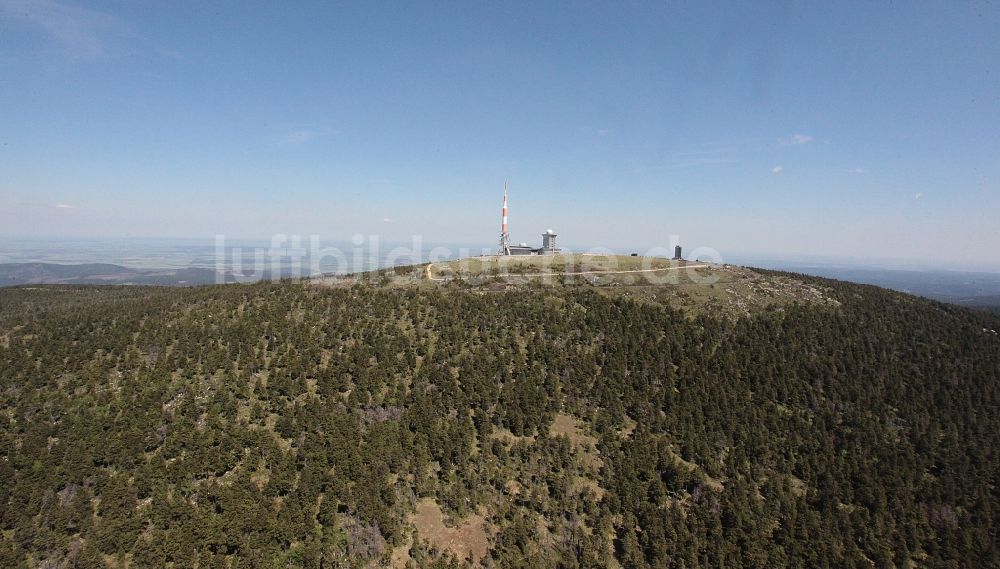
<point x="290" y="425"/>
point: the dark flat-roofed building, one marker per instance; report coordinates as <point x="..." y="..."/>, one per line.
<point x="521" y="249"/>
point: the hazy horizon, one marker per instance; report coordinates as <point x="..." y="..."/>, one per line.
<point x="178" y="252"/>
<point x="858" y="131"/>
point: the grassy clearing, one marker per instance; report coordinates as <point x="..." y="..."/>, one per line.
<point x="688" y="286"/>
<point x="527" y="265"/>
<point x="467" y="539"/>
<point x="589" y="458"/>
<point x="565" y="425"/>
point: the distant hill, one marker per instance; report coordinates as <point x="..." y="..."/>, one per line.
<point x="571" y="412"/>
<point x="990" y="303"/>
<point x="12" y="274"/>
<point x="974" y="289"/>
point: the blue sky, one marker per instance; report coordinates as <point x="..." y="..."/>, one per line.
<point x="868" y="130"/>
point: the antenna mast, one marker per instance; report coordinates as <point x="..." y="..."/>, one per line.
<point x="504" y="238"/>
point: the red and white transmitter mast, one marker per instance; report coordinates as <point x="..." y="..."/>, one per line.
<point x="504" y="237"/>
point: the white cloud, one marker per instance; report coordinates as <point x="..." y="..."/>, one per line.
<point x="387" y="220"/>
<point x="685" y="163"/>
<point x="81" y="30"/>
<point x="797" y="139"/>
<point x="918" y="195"/>
<point x="169" y="53"/>
<point x="857" y="171"/>
<point x="64" y="206"/>
<point x="777" y="169"/>
<point x="298" y="137"/>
